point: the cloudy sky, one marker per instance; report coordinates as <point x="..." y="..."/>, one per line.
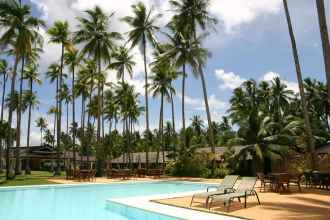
<point x="251" y="41"/>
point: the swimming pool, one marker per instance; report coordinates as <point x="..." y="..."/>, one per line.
<point x="84" y="202"/>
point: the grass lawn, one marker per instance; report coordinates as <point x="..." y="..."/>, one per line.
<point x="36" y="178"/>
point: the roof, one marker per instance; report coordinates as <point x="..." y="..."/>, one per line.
<point x="141" y="156"/>
<point x="323" y="150"/>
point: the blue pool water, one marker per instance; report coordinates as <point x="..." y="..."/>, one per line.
<point x="84" y="202"/>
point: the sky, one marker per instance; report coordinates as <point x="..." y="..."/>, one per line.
<point x="251" y="41"/>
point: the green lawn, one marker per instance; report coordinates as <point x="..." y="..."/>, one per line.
<point x="36" y="178"/>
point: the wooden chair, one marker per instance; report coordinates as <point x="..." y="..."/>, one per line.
<point x="264" y="181"/>
<point x="295" y="179"/>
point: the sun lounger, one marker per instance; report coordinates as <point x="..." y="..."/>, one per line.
<point x="227" y="184"/>
<point x="244" y="190"/>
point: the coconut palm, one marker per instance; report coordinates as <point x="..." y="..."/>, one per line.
<point x="4" y="71"/>
<point x="41" y="123"/>
<point x="72" y="60"/>
<point x="98" y="44"/>
<point x="65" y="96"/>
<point x="82" y="89"/>
<point x="325" y="41"/>
<point x="143" y="30"/>
<point x="191" y="15"/>
<point x="123" y="61"/>
<point x="20" y="34"/>
<point x="31" y="74"/>
<point x="310" y="138"/>
<point x="161" y="86"/>
<point x="59" y="34"/>
<point x="53" y="111"/>
<point x="183" y="52"/>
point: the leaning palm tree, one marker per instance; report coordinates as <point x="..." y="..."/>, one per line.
<point x="72" y="60"/>
<point x="325" y="41"/>
<point x="161" y="86"/>
<point x="98" y="44"/>
<point x="42" y="124"/>
<point x="310" y="138"/>
<point x="123" y="61"/>
<point x="191" y="16"/>
<point x="20" y="33"/>
<point x="32" y="75"/>
<point x="59" y="34"/>
<point x="143" y="30"/>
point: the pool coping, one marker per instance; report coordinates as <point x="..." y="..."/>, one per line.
<point x="148" y="204"/>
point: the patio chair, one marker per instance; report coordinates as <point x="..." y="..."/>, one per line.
<point x="244" y="190"/>
<point x="264" y="181"/>
<point x="227" y="184"/>
<point x="295" y="179"/>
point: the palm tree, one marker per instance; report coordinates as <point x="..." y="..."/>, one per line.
<point x="53" y="110"/>
<point x="32" y="75"/>
<point x="123" y="61"/>
<point x="72" y="59"/>
<point x="143" y="30"/>
<point x="42" y="124"/>
<point x="59" y="34"/>
<point x="193" y="14"/>
<point x="66" y="97"/>
<point x="99" y="43"/>
<point x="20" y="33"/>
<point x="308" y="127"/>
<point x="4" y="72"/>
<point x="161" y="85"/>
<point x="81" y="89"/>
<point x="325" y="41"/>
<point x="180" y="52"/>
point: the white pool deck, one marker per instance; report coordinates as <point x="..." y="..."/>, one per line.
<point x="146" y="203"/>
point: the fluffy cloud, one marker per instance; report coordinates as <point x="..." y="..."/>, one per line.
<point x="234" y="13"/>
<point x="229" y="80"/>
<point x="198" y="103"/>
<point x="269" y="76"/>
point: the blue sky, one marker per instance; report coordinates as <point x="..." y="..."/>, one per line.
<point x="251" y="41"/>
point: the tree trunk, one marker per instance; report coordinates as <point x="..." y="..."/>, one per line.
<point x="67" y="118"/>
<point x="146" y="99"/>
<point x="184" y="141"/>
<point x="9" y="139"/>
<point x="308" y="127"/>
<point x="209" y="121"/>
<point x="59" y="115"/>
<point x="173" y="126"/>
<point x="27" y="165"/>
<point x="325" y="42"/>
<point x="40" y="136"/>
<point x="18" y="122"/>
<point x="73" y="122"/>
<point x="98" y="131"/>
<point x="161" y="126"/>
<point x="102" y="104"/>
<point x="5" y="77"/>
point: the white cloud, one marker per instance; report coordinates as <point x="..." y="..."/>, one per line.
<point x="230" y="80"/>
<point x="269" y="76"/>
<point x="197" y="104"/>
<point x="233" y="13"/>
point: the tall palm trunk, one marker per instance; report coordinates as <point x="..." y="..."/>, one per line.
<point x="308" y="127"/>
<point x="98" y="130"/>
<point x="146" y="98"/>
<point x="67" y="117"/>
<point x="184" y="141"/>
<point x="209" y="120"/>
<point x="41" y="136"/>
<point x="59" y="115"/>
<point x="73" y="122"/>
<point x="83" y="100"/>
<point x="5" y="77"/>
<point x="161" y="126"/>
<point x="325" y="41"/>
<point x="9" y="139"/>
<point x="18" y="122"/>
<point x="173" y="124"/>
<point x="102" y="106"/>
<point x="27" y="165"/>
